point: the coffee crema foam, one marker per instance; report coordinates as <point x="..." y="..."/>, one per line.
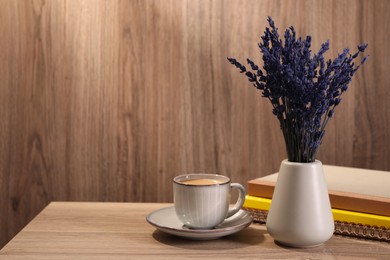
<point x="203" y="181"/>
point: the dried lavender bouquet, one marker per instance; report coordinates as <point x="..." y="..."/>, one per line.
<point x="304" y="90"/>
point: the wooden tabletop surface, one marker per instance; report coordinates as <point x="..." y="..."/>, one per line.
<point x="83" y="230"/>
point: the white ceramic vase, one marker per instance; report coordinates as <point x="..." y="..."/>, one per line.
<point x="300" y="213"/>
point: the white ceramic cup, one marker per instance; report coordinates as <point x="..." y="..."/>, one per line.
<point x="202" y="204"/>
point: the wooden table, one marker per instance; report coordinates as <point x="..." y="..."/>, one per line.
<point x="81" y="230"/>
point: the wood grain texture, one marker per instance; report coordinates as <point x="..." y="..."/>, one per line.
<point x="69" y="230"/>
<point x="108" y="100"/>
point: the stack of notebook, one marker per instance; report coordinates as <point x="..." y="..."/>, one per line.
<point x="360" y="200"/>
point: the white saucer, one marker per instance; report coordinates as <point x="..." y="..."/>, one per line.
<point x="165" y="219"/>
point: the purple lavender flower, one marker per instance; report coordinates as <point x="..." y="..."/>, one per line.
<point x="303" y="89"/>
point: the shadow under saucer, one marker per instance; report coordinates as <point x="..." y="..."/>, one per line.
<point x="247" y="237"/>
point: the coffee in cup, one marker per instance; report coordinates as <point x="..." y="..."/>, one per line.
<point x="202" y="200"/>
<point x="203" y="181"/>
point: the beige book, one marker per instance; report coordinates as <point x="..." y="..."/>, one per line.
<point x="352" y="189"/>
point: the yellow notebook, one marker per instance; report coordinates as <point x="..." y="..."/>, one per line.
<point x="259" y="203"/>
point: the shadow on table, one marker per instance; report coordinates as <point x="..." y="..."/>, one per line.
<point x="247" y="237"/>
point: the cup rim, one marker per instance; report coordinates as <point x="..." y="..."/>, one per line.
<point x="178" y="179"/>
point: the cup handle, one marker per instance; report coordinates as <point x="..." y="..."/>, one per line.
<point x="240" y="201"/>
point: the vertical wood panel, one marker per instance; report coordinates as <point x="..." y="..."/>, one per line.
<point x="108" y="100"/>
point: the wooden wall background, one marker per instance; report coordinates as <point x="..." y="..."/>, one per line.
<point x="108" y="100"/>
